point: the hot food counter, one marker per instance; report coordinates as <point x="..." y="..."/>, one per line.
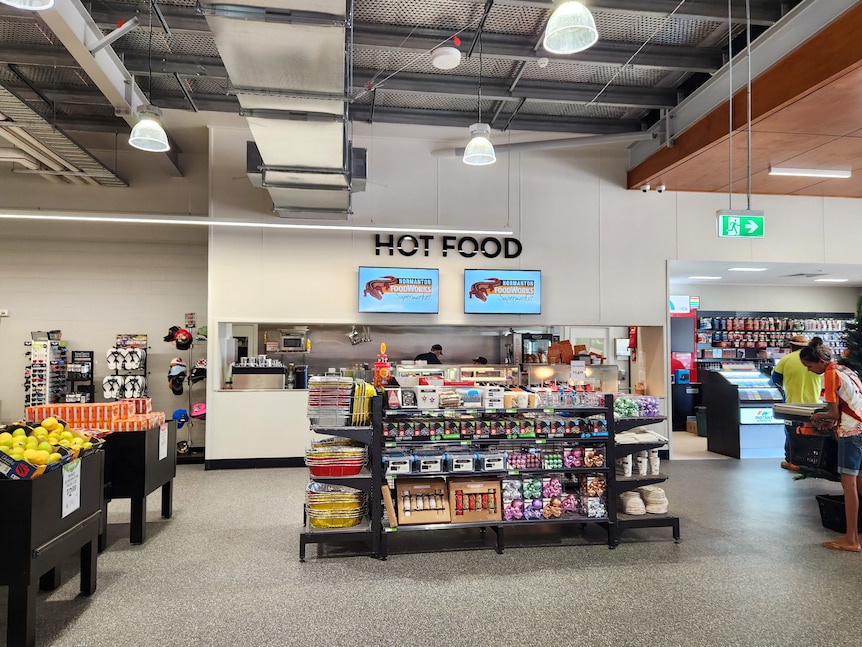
<point x="739" y="420"/>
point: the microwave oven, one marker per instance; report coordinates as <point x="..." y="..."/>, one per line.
<point x="293" y="342"/>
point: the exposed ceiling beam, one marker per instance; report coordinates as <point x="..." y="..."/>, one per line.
<point x="384" y="114"/>
<point x="509" y="47"/>
<point x="498" y="89"/>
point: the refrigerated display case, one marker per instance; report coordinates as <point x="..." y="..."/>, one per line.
<point x="527" y="347"/>
<point x="739" y="419"/>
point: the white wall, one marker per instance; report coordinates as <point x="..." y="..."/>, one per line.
<point x="746" y="298"/>
<point x="93" y="281"/>
<point x="603" y="250"/>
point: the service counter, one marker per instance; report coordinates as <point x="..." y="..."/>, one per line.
<point x="256" y="428"/>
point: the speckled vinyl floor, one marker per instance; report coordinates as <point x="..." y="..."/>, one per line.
<point x="224" y="570"/>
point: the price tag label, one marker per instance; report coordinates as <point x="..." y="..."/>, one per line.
<point x="390" y="444"/>
<point x="465" y="442"/>
<point x="390" y="529"/>
<point x="71" y="487"/>
<point x="547" y="410"/>
<point x="514" y="472"/>
<point x="472" y="411"/>
<point x="163" y="442"/>
<point x="429" y="412"/>
<point x="541" y="441"/>
<point x="490" y="411"/>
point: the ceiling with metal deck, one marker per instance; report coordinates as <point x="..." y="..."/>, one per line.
<point x="647" y="58"/>
<point x="651" y="56"/>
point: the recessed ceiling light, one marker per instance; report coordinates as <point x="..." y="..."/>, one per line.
<point x="810" y="172"/>
<point x="746" y="269"/>
<point x="705" y="278"/>
<point x="832" y="280"/>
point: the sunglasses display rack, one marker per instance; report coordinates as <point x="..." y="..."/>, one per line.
<point x="45" y="374"/>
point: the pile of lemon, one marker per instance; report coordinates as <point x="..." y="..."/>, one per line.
<point x="39" y="447"/>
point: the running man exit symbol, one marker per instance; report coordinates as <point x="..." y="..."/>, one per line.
<point x="740" y="224"/>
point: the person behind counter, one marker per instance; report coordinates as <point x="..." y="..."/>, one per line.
<point x="843" y="394"/>
<point x="431" y="357"/>
<point x="480" y="360"/>
<point x="800" y="386"/>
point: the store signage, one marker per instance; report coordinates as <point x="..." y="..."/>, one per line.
<point x="679" y="304"/>
<point x="163" y="442"/>
<point x="741" y="224"/>
<point x="578" y="370"/>
<point x="466" y="246"/>
<point x="757" y="416"/>
<point x="71" y="487"/>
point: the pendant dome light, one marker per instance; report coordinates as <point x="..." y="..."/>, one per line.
<point x="479" y="150"/>
<point x="29" y="5"/>
<point x="149" y="134"/>
<point x="570" y="29"/>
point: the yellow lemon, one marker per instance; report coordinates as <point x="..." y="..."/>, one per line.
<point x="19" y="432"/>
<point x="55" y="458"/>
<point x="87" y="445"/>
<point x="67" y="435"/>
<point x="45" y="447"/>
<point x="5" y="439"/>
<point x="17" y="456"/>
<point x="64" y="443"/>
<point x="40" y="431"/>
<point x="31" y="441"/>
<point x="49" y="423"/>
<point x="29" y="454"/>
<point x="40" y="458"/>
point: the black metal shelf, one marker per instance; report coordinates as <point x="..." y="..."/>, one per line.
<point x="625" y="424"/>
<point x="499" y="473"/>
<point x="361" y="481"/>
<point x="466" y="442"/>
<point x="624" y="449"/>
<point x="493" y="523"/>
<point x="625" y="521"/>
<point x="478" y="411"/>
<point x="627" y="483"/>
<point x="361" y="434"/>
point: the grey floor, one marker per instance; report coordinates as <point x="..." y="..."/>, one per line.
<point x="225" y="571"/>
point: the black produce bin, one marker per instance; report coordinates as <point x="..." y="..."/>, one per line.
<point x="816" y="452"/>
<point x="832" y="512"/>
<point x="700" y="415"/>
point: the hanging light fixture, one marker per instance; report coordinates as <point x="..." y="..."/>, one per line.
<point x="29" y="5"/>
<point x="479" y="150"/>
<point x="570" y="29"/>
<point x="149" y="134"/>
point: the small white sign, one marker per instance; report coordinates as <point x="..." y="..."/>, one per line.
<point x="71" y="487"/>
<point x="163" y="442"/>
<point x="679" y="304"/>
<point x="578" y="372"/>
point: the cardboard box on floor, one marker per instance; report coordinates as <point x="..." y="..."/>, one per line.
<point x="426" y="501"/>
<point x="691" y="425"/>
<point x="472" y="499"/>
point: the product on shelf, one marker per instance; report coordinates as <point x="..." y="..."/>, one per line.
<point x="334" y="506"/>
<point x="632" y="503"/>
<point x="27" y="451"/>
<point x="336" y="457"/>
<point x="654" y="498"/>
<point x="422" y="501"/>
<point x="473" y="499"/>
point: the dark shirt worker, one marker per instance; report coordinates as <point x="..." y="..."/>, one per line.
<point x="433" y="356"/>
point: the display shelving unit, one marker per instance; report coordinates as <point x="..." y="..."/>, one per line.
<point x="377" y="527"/>
<point x="627" y="483"/>
<point x="121" y="372"/>
<point x="45" y="375"/>
<point x="369" y="480"/>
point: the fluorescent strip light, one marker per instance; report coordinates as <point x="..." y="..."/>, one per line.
<point x="810" y="172"/>
<point x="704" y="278"/>
<point x="746" y="269"/>
<point x="832" y="280"/>
<point x="212" y="222"/>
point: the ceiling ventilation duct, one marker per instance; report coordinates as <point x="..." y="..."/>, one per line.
<point x="288" y="62"/>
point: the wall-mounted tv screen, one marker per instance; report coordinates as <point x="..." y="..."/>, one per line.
<point x="399" y="289"/>
<point x="511" y="292"/>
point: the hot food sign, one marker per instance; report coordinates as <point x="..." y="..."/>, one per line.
<point x="465" y="246"/>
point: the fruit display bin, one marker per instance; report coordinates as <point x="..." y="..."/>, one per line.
<point x="41" y="529"/>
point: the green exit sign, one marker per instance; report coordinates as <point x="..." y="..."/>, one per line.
<point x="740" y="224"/>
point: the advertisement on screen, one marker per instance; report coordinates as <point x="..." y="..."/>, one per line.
<point x="399" y="289"/>
<point x="503" y="292"/>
